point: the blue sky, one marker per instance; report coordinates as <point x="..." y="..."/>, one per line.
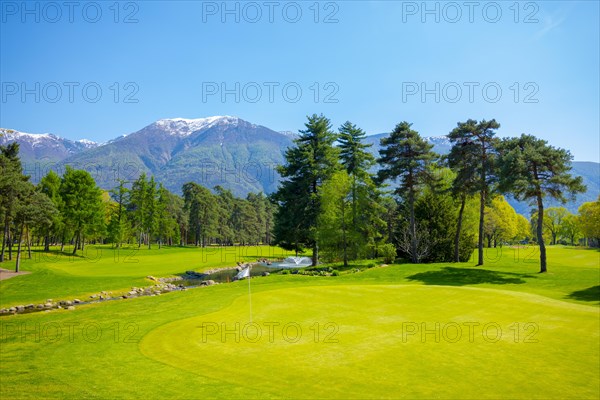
<point x="531" y="65"/>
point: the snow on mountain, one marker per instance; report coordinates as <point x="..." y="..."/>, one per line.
<point x="45" y="146"/>
<point x="185" y="127"/>
<point x="89" y="144"/>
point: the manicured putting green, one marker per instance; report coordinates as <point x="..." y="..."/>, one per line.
<point x="365" y="350"/>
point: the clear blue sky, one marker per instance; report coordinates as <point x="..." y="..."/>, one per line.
<point x="375" y="61"/>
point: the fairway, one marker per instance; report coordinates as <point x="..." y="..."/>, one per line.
<point x="479" y="343"/>
<point x="504" y="331"/>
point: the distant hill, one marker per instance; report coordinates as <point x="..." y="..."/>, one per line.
<point x="222" y="150"/>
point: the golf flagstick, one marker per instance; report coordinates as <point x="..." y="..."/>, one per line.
<point x="249" y="294"/>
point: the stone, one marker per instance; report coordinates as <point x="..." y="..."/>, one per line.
<point x="265" y="273"/>
<point x="93" y="296"/>
<point x="68" y="303"/>
<point x="29" y="306"/>
<point x="48" y="305"/>
<point x="20" y="308"/>
<point x="12" y="309"/>
<point x="40" y="306"/>
<point x="76" y="301"/>
<point x="70" y="308"/>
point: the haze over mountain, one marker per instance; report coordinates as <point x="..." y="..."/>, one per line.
<point x="221" y="150"/>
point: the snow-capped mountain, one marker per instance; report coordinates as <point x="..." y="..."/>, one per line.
<point x="185" y="127"/>
<point x="220" y="150"/>
<point x="45" y="146"/>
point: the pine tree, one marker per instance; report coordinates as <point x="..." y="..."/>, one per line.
<point x="406" y="157"/>
<point x="479" y="144"/>
<point x="50" y="186"/>
<point x="366" y="210"/>
<point x="531" y="169"/>
<point x="309" y="165"/>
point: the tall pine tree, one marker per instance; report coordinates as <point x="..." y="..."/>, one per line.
<point x="309" y="165"/>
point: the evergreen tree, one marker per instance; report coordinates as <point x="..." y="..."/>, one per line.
<point x="117" y="226"/>
<point x="477" y="144"/>
<point x="12" y="186"/>
<point x="532" y="170"/>
<point x="365" y="195"/>
<point x="50" y="186"/>
<point x="309" y="165"/>
<point x="406" y="157"/>
<point x="137" y="207"/>
<point x="200" y="206"/>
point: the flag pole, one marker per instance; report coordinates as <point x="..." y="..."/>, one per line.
<point x="249" y="294"/>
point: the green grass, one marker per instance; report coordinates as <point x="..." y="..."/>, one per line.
<point x="100" y="268"/>
<point x="555" y="356"/>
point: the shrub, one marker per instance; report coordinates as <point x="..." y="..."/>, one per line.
<point x="335" y="273"/>
<point x="388" y="251"/>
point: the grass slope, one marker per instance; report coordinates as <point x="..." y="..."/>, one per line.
<point x="100" y="268"/>
<point x="153" y="347"/>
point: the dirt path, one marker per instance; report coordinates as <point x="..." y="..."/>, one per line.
<point x="7" y="274"/>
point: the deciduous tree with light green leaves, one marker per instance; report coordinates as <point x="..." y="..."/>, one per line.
<point x="335" y="220"/>
<point x="532" y="170"/>
<point x="553" y="220"/>
<point x="81" y="203"/>
<point x="589" y="219"/>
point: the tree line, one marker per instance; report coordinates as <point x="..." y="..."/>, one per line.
<point x="334" y="198"/>
<point x="419" y="205"/>
<point x="71" y="210"/>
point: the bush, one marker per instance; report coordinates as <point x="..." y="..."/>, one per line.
<point x="285" y="272"/>
<point x="388" y="252"/>
<point x="466" y="246"/>
<point x="335" y="273"/>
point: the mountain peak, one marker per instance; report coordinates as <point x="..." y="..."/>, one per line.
<point x="186" y="126"/>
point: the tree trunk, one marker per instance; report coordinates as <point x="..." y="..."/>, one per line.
<point x="10" y="244"/>
<point x="540" y="233"/>
<point x="47" y="243"/>
<point x="482" y="202"/>
<point x="344" y="236"/>
<point x="76" y="244"/>
<point x="4" y="238"/>
<point x="18" y="263"/>
<point x="458" y="228"/>
<point x="315" y="257"/>
<point x="481" y="221"/>
<point x="413" y="229"/>
<point x="28" y="238"/>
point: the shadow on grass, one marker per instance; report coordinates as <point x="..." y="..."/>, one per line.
<point x="468" y="276"/>
<point x="589" y="294"/>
